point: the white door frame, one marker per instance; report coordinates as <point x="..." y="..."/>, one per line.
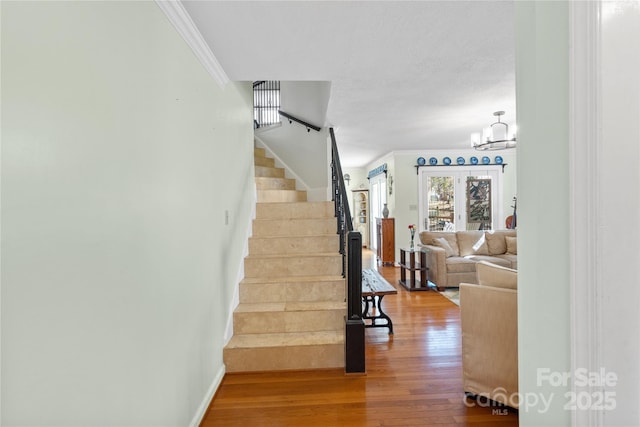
<point x="377" y="192"/>
<point x="460" y="202"/>
<point x="584" y="172"/>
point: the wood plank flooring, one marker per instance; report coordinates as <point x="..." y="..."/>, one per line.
<point x="414" y="378"/>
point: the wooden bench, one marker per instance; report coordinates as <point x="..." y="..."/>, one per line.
<point x="374" y="288"/>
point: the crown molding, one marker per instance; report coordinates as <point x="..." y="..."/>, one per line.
<point x="181" y="20"/>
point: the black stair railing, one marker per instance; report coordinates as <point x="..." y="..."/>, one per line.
<point x="351" y="250"/>
<point x="292" y="118"/>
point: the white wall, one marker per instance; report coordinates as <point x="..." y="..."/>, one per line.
<point x="120" y="156"/>
<point x="618" y="236"/>
<point x="307" y="100"/>
<point x="543" y="200"/>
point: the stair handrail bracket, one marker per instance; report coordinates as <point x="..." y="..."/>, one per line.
<point x="351" y="250"/>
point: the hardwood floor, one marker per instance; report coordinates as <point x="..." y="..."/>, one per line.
<point x="414" y="378"/>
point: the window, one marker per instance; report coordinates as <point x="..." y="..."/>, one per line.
<point x="458" y="198"/>
<point x="266" y="103"/>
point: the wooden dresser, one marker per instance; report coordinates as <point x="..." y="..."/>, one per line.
<point x="385" y="231"/>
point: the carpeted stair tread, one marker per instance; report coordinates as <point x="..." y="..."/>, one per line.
<point x="306" y="236"/>
<point x="271" y="183"/>
<point x="289" y="306"/>
<point x="264" y="161"/>
<point x="285" y="210"/>
<point x="291" y="279"/>
<point x="319" y="205"/>
<point x="296" y="255"/>
<point x="268" y="171"/>
<point x="281" y="196"/>
<point x="286" y="339"/>
<point x="294" y="227"/>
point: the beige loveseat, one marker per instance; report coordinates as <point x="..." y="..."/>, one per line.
<point x="489" y="323"/>
<point x="452" y="255"/>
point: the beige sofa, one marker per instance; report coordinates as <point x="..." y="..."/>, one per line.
<point x="489" y="323"/>
<point x="453" y="255"/>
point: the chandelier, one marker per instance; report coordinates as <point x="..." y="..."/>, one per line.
<point x="494" y="137"/>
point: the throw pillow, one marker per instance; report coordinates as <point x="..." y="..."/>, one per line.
<point x="472" y="243"/>
<point x="442" y="242"/>
<point x="495" y="242"/>
<point x="428" y="237"/>
<point x="512" y="245"/>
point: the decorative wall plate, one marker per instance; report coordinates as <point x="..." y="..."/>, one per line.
<point x="422" y="161"/>
<point x="498" y="160"/>
<point x="460" y="160"/>
<point x="474" y="160"/>
<point x="433" y="161"/>
<point x="446" y="161"/>
<point x="486" y="160"/>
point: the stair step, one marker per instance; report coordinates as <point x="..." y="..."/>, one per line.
<point x="269" y="172"/>
<point x="275" y="196"/>
<point x="288" y="289"/>
<point x="285" y="317"/>
<point x="259" y="152"/>
<point x="268" y="183"/>
<point x="295" y="210"/>
<point x="279" y="339"/>
<point x="292" y="306"/>
<point x="293" y="227"/>
<point x="276" y="352"/>
<point x="295" y="280"/>
<point x="264" y="161"/>
<point x="289" y="245"/>
<point x="293" y="265"/>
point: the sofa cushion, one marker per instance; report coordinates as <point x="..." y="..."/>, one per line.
<point x="512" y="259"/>
<point x="498" y="260"/>
<point x="496" y="242"/>
<point x="472" y="243"/>
<point x="496" y="276"/>
<point x="512" y="245"/>
<point x="460" y="265"/>
<point x="444" y="244"/>
<point x="428" y="237"/>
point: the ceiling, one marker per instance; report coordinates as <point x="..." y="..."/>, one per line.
<point x="407" y="75"/>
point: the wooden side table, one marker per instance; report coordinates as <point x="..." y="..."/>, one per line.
<point x="408" y="263"/>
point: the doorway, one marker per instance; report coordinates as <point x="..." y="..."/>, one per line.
<point x="460" y="198"/>
<point x="378" y="187"/>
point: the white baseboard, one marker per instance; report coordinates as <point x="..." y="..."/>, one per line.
<point x="204" y="405"/>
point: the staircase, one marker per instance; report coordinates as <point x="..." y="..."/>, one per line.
<point x="292" y="299"/>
